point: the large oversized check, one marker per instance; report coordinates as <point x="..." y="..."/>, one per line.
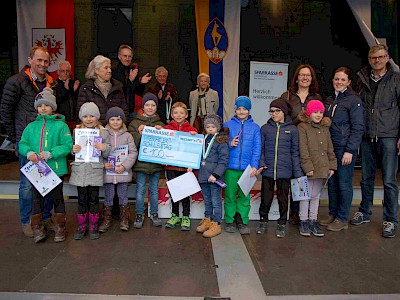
<point x="170" y="147"/>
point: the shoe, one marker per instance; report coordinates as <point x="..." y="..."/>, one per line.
<point x="49" y="225"/>
<point x="337" y="225"/>
<point x="294" y="218"/>
<point x="27" y="230"/>
<point x="360" y="218"/>
<point x="155" y="220"/>
<point x="280" y="230"/>
<point x="124" y="217"/>
<point x="304" y="228"/>
<point x="81" y="229"/>
<point x="94" y="226"/>
<point x="315" y="229"/>
<point x="243" y="229"/>
<point x="185" y="225"/>
<point x="262" y="227"/>
<point x="173" y="221"/>
<point x="325" y="222"/>
<point x="213" y="230"/>
<point x="138" y="221"/>
<point x="204" y="225"/>
<point x="389" y="231"/>
<point x="37" y="228"/>
<point x="60" y="231"/>
<point x="230" y="227"/>
<point x="107" y="219"/>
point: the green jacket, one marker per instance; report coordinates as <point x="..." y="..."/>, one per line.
<point x="48" y="133"/>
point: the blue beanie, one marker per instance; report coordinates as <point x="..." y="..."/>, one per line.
<point x="243" y="101"/>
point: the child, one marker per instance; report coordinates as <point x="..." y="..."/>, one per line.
<point x="244" y="149"/>
<point x="116" y="134"/>
<point x="179" y="114"/>
<point x="146" y="117"/>
<point x="213" y="166"/>
<point x="49" y="138"/>
<point x="279" y="162"/>
<point x="317" y="160"/>
<point x="88" y="176"/>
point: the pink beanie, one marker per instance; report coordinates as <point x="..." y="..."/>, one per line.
<point x="313" y="106"/>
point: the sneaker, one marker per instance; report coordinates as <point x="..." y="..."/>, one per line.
<point x="213" y="230"/>
<point x="389" y="231"/>
<point x="337" y="225"/>
<point x="173" y="221"/>
<point x="315" y="229"/>
<point x="155" y="220"/>
<point x="230" y="227"/>
<point x="204" y="225"/>
<point x="262" y="227"/>
<point x="325" y="222"/>
<point x="27" y="230"/>
<point x="360" y="218"/>
<point x="138" y="222"/>
<point x="280" y="230"/>
<point x="304" y="228"/>
<point x="185" y="225"/>
<point x="243" y="229"/>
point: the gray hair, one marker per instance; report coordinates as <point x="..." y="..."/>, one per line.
<point x="96" y="63"/>
<point x="161" y="69"/>
<point x="64" y="62"/>
<point x="377" y="48"/>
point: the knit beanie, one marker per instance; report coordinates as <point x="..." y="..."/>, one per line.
<point x="281" y="104"/>
<point x="313" y="106"/>
<point x="46" y="97"/>
<point x="115" y="112"/>
<point x="89" y="109"/>
<point x="148" y="97"/>
<point x="243" y="101"/>
<point x="213" y="119"/>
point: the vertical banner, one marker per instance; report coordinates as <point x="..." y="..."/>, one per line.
<point x="267" y="82"/>
<point x="218" y="40"/>
<point x="47" y="23"/>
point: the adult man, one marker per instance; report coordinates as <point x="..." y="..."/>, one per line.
<point x="166" y="93"/>
<point x="127" y="73"/>
<point x="379" y="88"/>
<point x="17" y="111"/>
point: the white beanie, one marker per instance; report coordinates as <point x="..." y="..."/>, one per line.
<point x="89" y="109"/>
<point x="46" y="97"/>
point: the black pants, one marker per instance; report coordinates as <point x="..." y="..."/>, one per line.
<point x="267" y="195"/>
<point x="88" y="199"/>
<point x="57" y="198"/>
<point x="185" y="201"/>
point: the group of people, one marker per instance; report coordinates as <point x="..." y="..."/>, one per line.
<point x="305" y="135"/>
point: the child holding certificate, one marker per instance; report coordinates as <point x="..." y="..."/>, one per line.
<point x="118" y="167"/>
<point x="213" y="166"/>
<point x="87" y="174"/>
<point x="47" y="138"/>
<point x="244" y="149"/>
<point x="179" y="115"/>
<point x="146" y="117"/>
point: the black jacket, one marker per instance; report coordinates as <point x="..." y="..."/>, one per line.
<point x="66" y="100"/>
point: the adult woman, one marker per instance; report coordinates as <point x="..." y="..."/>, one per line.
<point x="101" y="89"/>
<point x="203" y="101"/>
<point x="303" y="88"/>
<point x="347" y="114"/>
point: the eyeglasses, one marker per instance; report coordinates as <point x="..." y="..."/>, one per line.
<point x="378" y="57"/>
<point x="305" y="75"/>
<point x="274" y="111"/>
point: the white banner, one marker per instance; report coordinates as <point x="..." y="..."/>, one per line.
<point x="267" y="82"/>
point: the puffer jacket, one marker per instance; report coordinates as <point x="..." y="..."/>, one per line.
<point x="382" y="111"/>
<point x="48" y="133"/>
<point x="280" y="150"/>
<point x="90" y="93"/>
<point x="248" y="150"/>
<point x="17" y="104"/>
<point x="316" y="149"/>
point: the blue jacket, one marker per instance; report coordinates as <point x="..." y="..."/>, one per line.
<point x="280" y="150"/>
<point x="248" y="150"/>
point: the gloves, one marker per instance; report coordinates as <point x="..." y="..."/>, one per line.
<point x="46" y="155"/>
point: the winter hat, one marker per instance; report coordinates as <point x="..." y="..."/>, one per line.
<point x="313" y="106"/>
<point x="243" y="101"/>
<point x="115" y="112"/>
<point x="46" y="97"/>
<point x="213" y="119"/>
<point x="89" y="109"/>
<point x="281" y="104"/>
<point x="148" y="97"/>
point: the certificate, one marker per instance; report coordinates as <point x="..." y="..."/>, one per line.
<point x="86" y="138"/>
<point x="120" y="153"/>
<point x="246" y="182"/>
<point x="43" y="183"/>
<point x="299" y="187"/>
<point x="183" y="186"/>
<point x="170" y="147"/>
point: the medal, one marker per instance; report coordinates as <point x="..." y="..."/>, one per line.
<point x="207" y="152"/>
<point x="203" y="162"/>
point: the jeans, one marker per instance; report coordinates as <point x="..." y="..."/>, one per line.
<point x="370" y="151"/>
<point x="212" y="194"/>
<point x="141" y="190"/>
<point x="340" y="189"/>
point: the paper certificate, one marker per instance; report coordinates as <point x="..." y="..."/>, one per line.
<point x="86" y="137"/>
<point x="170" y="147"/>
<point x="246" y="182"/>
<point x="43" y="183"/>
<point x="183" y="186"/>
<point x="120" y="153"/>
<point x="299" y="187"/>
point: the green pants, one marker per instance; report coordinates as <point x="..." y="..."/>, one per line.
<point x="232" y="205"/>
